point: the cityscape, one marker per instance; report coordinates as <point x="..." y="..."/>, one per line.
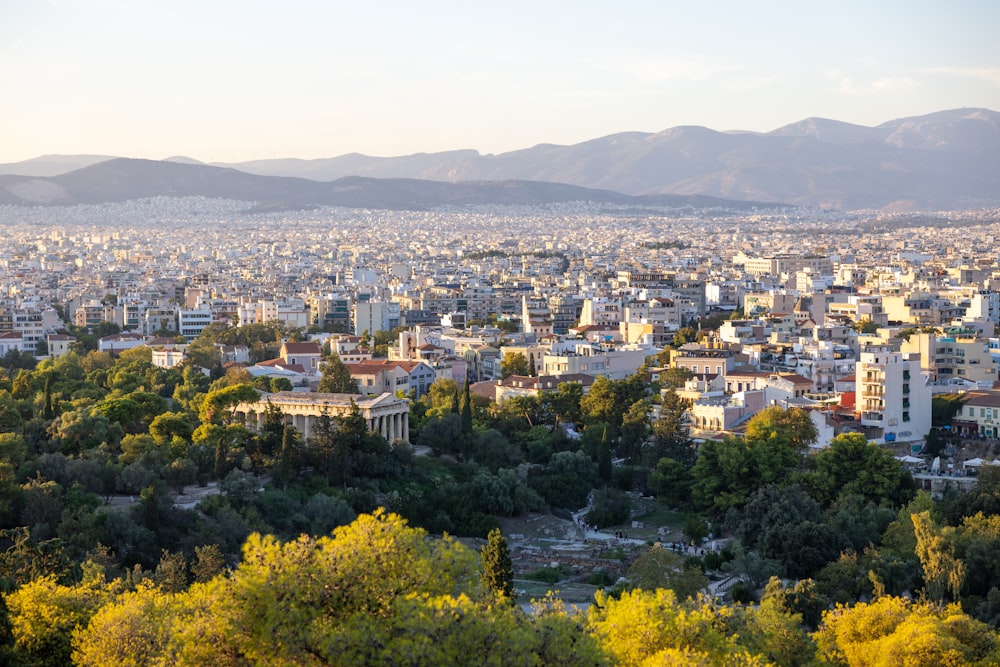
<point x="556" y="333"/>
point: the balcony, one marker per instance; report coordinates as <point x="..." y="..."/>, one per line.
<point x="871" y="416"/>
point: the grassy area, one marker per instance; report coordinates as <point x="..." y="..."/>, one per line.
<point x="664" y="519"/>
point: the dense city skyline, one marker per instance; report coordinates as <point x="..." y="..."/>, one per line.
<point x="228" y="82"/>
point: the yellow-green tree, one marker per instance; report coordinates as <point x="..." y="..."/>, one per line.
<point x="44" y="614"/>
<point x="374" y="593"/>
<point x="652" y="628"/>
<point x="892" y="631"/>
<point x="943" y="571"/>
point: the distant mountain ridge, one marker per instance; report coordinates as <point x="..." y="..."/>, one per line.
<point x="944" y="160"/>
<point x="123" y="179"/>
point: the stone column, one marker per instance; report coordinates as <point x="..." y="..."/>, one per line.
<point x="406" y="427"/>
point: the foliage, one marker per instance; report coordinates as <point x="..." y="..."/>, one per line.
<point x="652" y="628"/>
<point x="497" y="570"/>
<point x="335" y="378"/>
<point x="611" y="507"/>
<point x="313" y="602"/>
<point x="852" y="465"/>
<point x="44" y="614"/>
<point x="514" y="363"/>
<point x="657" y="568"/>
<point x="895" y="631"/>
<point x="944" y="407"/>
<point x="790" y="427"/>
<point x="671" y="437"/>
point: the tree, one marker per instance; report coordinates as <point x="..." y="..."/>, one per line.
<point x="670" y="482"/>
<point x="852" y="465"/>
<point x="44" y="615"/>
<point x="497" y="570"/>
<point x="514" y="364"/>
<point x="792" y="427"/>
<point x="893" y="631"/>
<point x="219" y="401"/>
<point x="167" y="426"/>
<point x="657" y="568"/>
<point x="336" y="379"/>
<point x="671" y="436"/>
<point x="943" y="572"/>
<point x="600" y="403"/>
<point x="695" y="528"/>
<point x="675" y="378"/>
<point x="604" y="467"/>
<point x="866" y="327"/>
<point x="634" y="430"/>
<point x="466" y="410"/>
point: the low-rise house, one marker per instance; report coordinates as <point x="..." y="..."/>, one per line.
<point x="377" y="376"/>
<point x="306" y="354"/>
<point x="116" y="343"/>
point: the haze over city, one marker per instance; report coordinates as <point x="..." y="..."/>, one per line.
<point x="230" y="81"/>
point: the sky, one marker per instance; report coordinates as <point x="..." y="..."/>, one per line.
<point x="230" y="81"/>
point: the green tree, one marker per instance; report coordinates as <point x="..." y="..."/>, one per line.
<point x="497" y="569"/>
<point x="514" y="364"/>
<point x="165" y="427"/>
<point x="675" y="378"/>
<point x="695" y="528"/>
<point x="670" y="482"/>
<point x="659" y="568"/>
<point x="466" y="409"/>
<point x="671" y="436"/>
<point x="604" y="467"/>
<point x="634" y="430"/>
<point x="336" y="379"/>
<point x="852" y="465"/>
<point x="792" y="427"/>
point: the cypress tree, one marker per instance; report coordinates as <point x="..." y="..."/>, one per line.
<point x="497" y="569"/>
<point x="604" y="468"/>
<point x="466" y="409"/>
<point x="48" y="412"/>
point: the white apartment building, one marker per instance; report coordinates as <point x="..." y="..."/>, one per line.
<point x="601" y="311"/>
<point x="893" y="395"/>
<point x="372" y="316"/>
<point x="191" y="323"/>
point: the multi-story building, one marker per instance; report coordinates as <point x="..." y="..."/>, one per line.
<point x="776" y="265"/>
<point x="191" y="323"/>
<point x="372" y="316"/>
<point x="893" y="396"/>
<point x="535" y="316"/>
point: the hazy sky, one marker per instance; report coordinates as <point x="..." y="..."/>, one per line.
<point x="222" y="80"/>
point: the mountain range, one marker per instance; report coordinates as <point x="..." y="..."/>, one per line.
<point x="940" y="161"/>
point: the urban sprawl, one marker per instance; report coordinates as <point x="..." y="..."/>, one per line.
<point x="860" y="318"/>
